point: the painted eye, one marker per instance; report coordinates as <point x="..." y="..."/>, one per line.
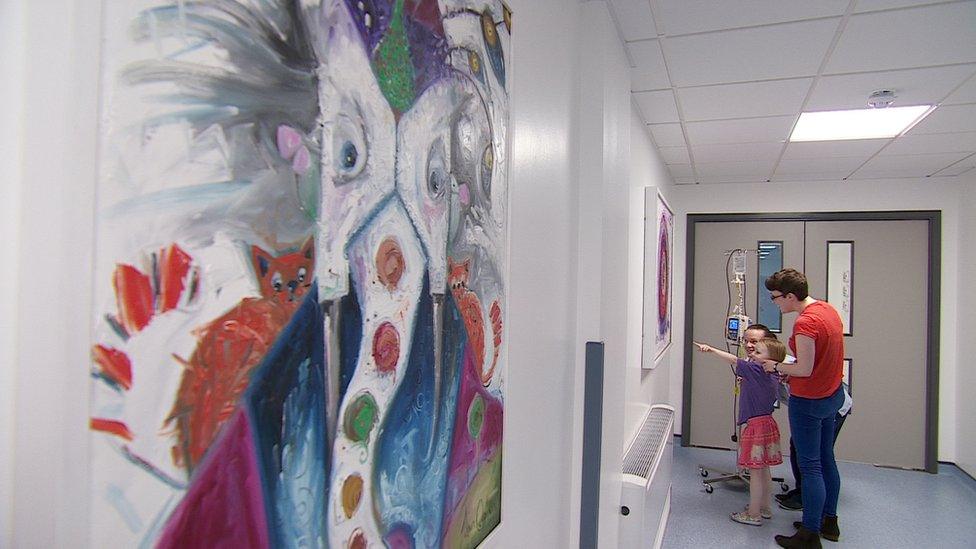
<point x="301" y="274"/>
<point x="348" y="149"/>
<point x="348" y="156"/>
<point x="437" y="175"/>
<point x="487" y="165"/>
<point x="276" y="282"/>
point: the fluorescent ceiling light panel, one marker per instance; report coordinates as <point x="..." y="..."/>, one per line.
<point x="857" y="124"/>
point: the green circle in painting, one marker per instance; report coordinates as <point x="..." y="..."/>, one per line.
<point x="360" y="417"/>
<point x="476" y="416"/>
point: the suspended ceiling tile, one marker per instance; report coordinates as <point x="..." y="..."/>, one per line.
<point x="775" y="97"/>
<point x="756" y="170"/>
<point x="965" y="94"/>
<point x="681" y="171"/>
<point x="667" y="135"/>
<point x="635" y="19"/>
<point x="928" y="35"/>
<point x="932" y="143"/>
<point x="650" y="72"/>
<point x="759" y="53"/>
<point x="966" y="165"/>
<point x="687" y="16"/>
<point x="861" y="149"/>
<point x="719" y="179"/>
<point x="657" y="106"/>
<point x="947" y="119"/>
<point x="746" y="130"/>
<point x="875" y="5"/>
<point x="674" y="155"/>
<point x="912" y="87"/>
<point x="796" y="177"/>
<point x="817" y="168"/>
<point x="914" y="165"/>
<point x="734" y="152"/>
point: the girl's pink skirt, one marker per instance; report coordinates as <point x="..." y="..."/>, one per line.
<point x="759" y="443"/>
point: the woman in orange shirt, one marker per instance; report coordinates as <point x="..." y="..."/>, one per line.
<point x="815" y="396"/>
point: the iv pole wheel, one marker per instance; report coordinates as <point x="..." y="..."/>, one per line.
<point x="703" y="471"/>
<point x="708" y="488"/>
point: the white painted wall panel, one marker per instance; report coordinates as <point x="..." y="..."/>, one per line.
<point x="647" y="173"/>
<point x="966" y="376"/>
<point x="12" y="59"/>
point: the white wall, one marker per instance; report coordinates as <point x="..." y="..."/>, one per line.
<point x="965" y="365"/>
<point x="56" y="190"/>
<point x="648" y="174"/>
<point x="924" y="194"/>
<point x="11" y="118"/>
<point x="539" y="387"/>
<point x="604" y="244"/>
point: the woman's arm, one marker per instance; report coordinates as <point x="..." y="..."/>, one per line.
<point x="806" y="351"/>
<point x="729" y="357"/>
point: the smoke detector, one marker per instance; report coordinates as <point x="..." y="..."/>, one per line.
<point x="881" y="99"/>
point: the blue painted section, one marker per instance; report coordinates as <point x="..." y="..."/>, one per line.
<point x="410" y="480"/>
<point x="286" y="407"/>
<point x="350" y="338"/>
<point x="497" y="58"/>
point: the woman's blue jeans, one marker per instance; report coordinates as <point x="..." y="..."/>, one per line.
<point x="812" y="427"/>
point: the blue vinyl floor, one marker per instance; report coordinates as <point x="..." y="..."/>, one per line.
<point x="879" y="507"/>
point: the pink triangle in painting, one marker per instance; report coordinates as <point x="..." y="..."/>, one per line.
<point x="224" y="506"/>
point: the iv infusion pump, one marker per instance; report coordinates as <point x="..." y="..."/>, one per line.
<point x="735" y="326"/>
<point x="737" y="322"/>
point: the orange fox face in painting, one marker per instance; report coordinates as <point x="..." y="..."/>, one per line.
<point x="286" y="278"/>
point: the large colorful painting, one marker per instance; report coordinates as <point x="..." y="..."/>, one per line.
<point x="665" y="248"/>
<point x="301" y="273"/>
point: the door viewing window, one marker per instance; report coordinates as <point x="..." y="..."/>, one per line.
<point x="770" y="261"/>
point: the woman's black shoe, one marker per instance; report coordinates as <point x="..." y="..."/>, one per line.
<point x="829" y="530"/>
<point x="802" y="539"/>
<point x="787" y="495"/>
<point x="794" y="503"/>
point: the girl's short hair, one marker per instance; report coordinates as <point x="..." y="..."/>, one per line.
<point x="774" y="348"/>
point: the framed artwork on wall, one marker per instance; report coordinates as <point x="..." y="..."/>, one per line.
<point x="840" y="281"/>
<point x="301" y="266"/>
<point x="665" y="251"/>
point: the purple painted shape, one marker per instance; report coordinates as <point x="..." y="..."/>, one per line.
<point x="289" y="140"/>
<point x="224" y="506"/>
<point x="302" y="161"/>
<point x="424" y="29"/>
<point x="428" y="44"/>
<point x="400" y="536"/>
<point x="467" y="454"/>
<point x="377" y="13"/>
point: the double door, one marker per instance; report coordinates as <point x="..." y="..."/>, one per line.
<point x="878" y="274"/>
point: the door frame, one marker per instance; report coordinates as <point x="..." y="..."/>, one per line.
<point x="933" y="302"/>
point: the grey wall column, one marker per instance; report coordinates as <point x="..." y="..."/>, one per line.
<point x="592" y="445"/>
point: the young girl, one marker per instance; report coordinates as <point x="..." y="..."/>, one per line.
<point x="759" y="439"/>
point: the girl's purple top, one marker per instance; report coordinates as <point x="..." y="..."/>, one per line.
<point x="757" y="390"/>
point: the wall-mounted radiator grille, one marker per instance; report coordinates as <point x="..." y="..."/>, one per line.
<point x="645" y="498"/>
<point x="649" y="442"/>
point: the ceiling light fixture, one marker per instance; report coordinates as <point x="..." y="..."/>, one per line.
<point x="880" y="121"/>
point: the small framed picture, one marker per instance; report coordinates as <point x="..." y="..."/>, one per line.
<point x="840" y="280"/>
